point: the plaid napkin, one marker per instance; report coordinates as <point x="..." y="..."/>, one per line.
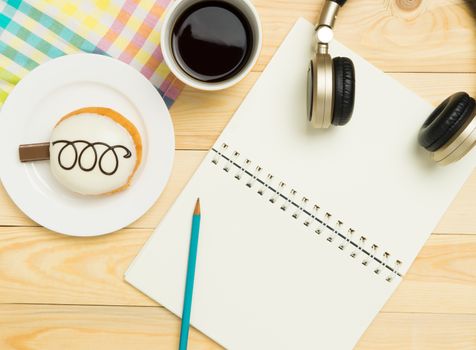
<point x="34" y="31"/>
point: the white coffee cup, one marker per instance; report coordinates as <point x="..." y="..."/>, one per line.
<point x="171" y="16"/>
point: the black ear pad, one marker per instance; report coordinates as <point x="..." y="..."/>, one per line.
<point x="344" y="90"/>
<point x="446" y="120"/>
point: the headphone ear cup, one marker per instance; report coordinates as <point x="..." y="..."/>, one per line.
<point x="445" y="121"/>
<point x="344" y="90"/>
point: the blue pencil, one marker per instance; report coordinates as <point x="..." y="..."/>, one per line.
<point x="192" y="259"/>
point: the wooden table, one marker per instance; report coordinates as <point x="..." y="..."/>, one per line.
<point x="60" y="292"/>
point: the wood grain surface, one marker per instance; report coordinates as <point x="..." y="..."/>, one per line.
<point x="59" y="327"/>
<point x="59" y="292"/>
<point x="41" y="267"/>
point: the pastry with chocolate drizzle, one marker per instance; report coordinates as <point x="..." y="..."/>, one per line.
<point x="92" y="151"/>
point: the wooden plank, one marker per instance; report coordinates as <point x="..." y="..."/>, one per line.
<point x="395" y="331"/>
<point x="37" y="327"/>
<point x="435" y="87"/>
<point x="442" y="278"/>
<point x="459" y="218"/>
<point x="199" y="117"/>
<point x="74" y="327"/>
<point x="37" y="266"/>
<point x="397" y="36"/>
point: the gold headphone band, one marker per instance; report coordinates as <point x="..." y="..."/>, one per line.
<point x="328" y="14"/>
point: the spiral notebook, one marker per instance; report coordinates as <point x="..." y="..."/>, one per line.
<point x="305" y="233"/>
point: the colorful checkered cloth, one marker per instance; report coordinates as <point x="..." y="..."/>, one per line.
<point x="34" y="31"/>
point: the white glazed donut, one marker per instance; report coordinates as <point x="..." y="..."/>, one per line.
<point x="94" y="151"/>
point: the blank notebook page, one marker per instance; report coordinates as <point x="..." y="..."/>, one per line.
<point x="305" y="233"/>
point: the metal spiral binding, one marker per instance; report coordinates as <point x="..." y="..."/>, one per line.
<point x="287" y="200"/>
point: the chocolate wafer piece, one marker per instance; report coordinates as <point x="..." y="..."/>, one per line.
<point x="34" y="151"/>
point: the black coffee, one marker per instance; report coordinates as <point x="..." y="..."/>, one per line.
<point x="212" y="41"/>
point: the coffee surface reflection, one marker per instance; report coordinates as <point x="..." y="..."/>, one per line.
<point x="212" y="41"/>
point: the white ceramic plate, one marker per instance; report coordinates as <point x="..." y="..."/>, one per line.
<point x="35" y="106"/>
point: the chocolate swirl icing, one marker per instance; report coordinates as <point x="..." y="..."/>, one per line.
<point x="92" y="147"/>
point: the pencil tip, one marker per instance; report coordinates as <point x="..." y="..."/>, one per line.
<point x="197" y="207"/>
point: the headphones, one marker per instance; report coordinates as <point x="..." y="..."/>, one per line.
<point x="448" y="133"/>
